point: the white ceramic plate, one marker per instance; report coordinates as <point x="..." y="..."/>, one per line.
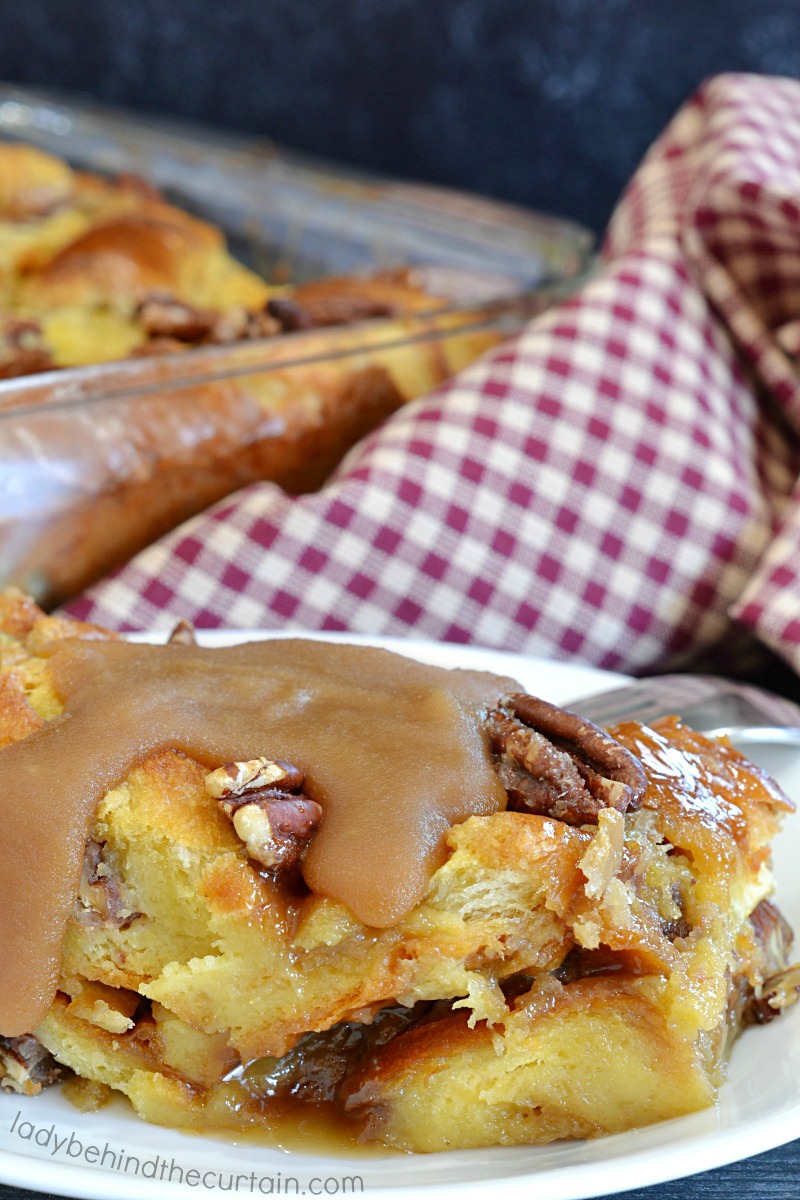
<point x="47" y="1145"/>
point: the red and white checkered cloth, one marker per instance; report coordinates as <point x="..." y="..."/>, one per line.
<point x="618" y="484"/>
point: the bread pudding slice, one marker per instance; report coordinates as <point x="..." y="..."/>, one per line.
<point x="577" y="959"/>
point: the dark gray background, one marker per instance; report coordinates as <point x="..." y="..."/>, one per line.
<point x="547" y="102"/>
<point x="550" y="103"/>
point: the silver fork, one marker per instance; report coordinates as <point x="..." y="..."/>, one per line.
<point x="711" y="704"/>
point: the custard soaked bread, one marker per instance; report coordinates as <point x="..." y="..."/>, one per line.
<point x="441" y="911"/>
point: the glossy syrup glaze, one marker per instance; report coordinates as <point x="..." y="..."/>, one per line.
<point x="392" y="750"/>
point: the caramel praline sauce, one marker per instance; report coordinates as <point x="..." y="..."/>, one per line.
<point x="392" y="751"/>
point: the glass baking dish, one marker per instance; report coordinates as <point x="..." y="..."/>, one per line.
<point x="97" y="461"/>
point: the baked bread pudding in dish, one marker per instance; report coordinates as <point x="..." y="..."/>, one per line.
<point x="296" y="876"/>
<point x="145" y="374"/>
<point x="95" y="269"/>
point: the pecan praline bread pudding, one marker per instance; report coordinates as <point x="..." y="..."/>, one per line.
<point x="293" y="873"/>
<point x="191" y="376"/>
<point x="94" y="269"/>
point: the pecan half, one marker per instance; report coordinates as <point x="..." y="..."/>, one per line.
<point x="172" y="324"/>
<point x="555" y="763"/>
<point x="25" y="1066"/>
<point x="321" y="311"/>
<point x="264" y="801"/>
<point x="164" y="316"/>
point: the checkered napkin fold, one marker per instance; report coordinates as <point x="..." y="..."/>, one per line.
<point x="619" y="484"/>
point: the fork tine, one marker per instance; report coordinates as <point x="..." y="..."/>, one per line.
<point x="630" y="702"/>
<point x="707" y="702"/>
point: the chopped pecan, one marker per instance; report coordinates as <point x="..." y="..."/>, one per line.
<point x="673" y="930"/>
<point x="25" y="1066"/>
<point x="172" y="324"/>
<point x="289" y="314"/>
<point x="230" y="326"/>
<point x="263" y="799"/>
<point x="320" y="311"/>
<point x="555" y="763"/>
<point x="275" y="828"/>
<point x="234" y="778"/>
<point x="164" y="316"/>
<point x="781" y="986"/>
<point x="19" y="331"/>
<point x="22" y="349"/>
<point x="259" y="324"/>
<point x="777" y="993"/>
<point x="679" y="925"/>
<point x="100" y="899"/>
<point x="237" y="324"/>
<point x="182" y="634"/>
<point x="25" y="362"/>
